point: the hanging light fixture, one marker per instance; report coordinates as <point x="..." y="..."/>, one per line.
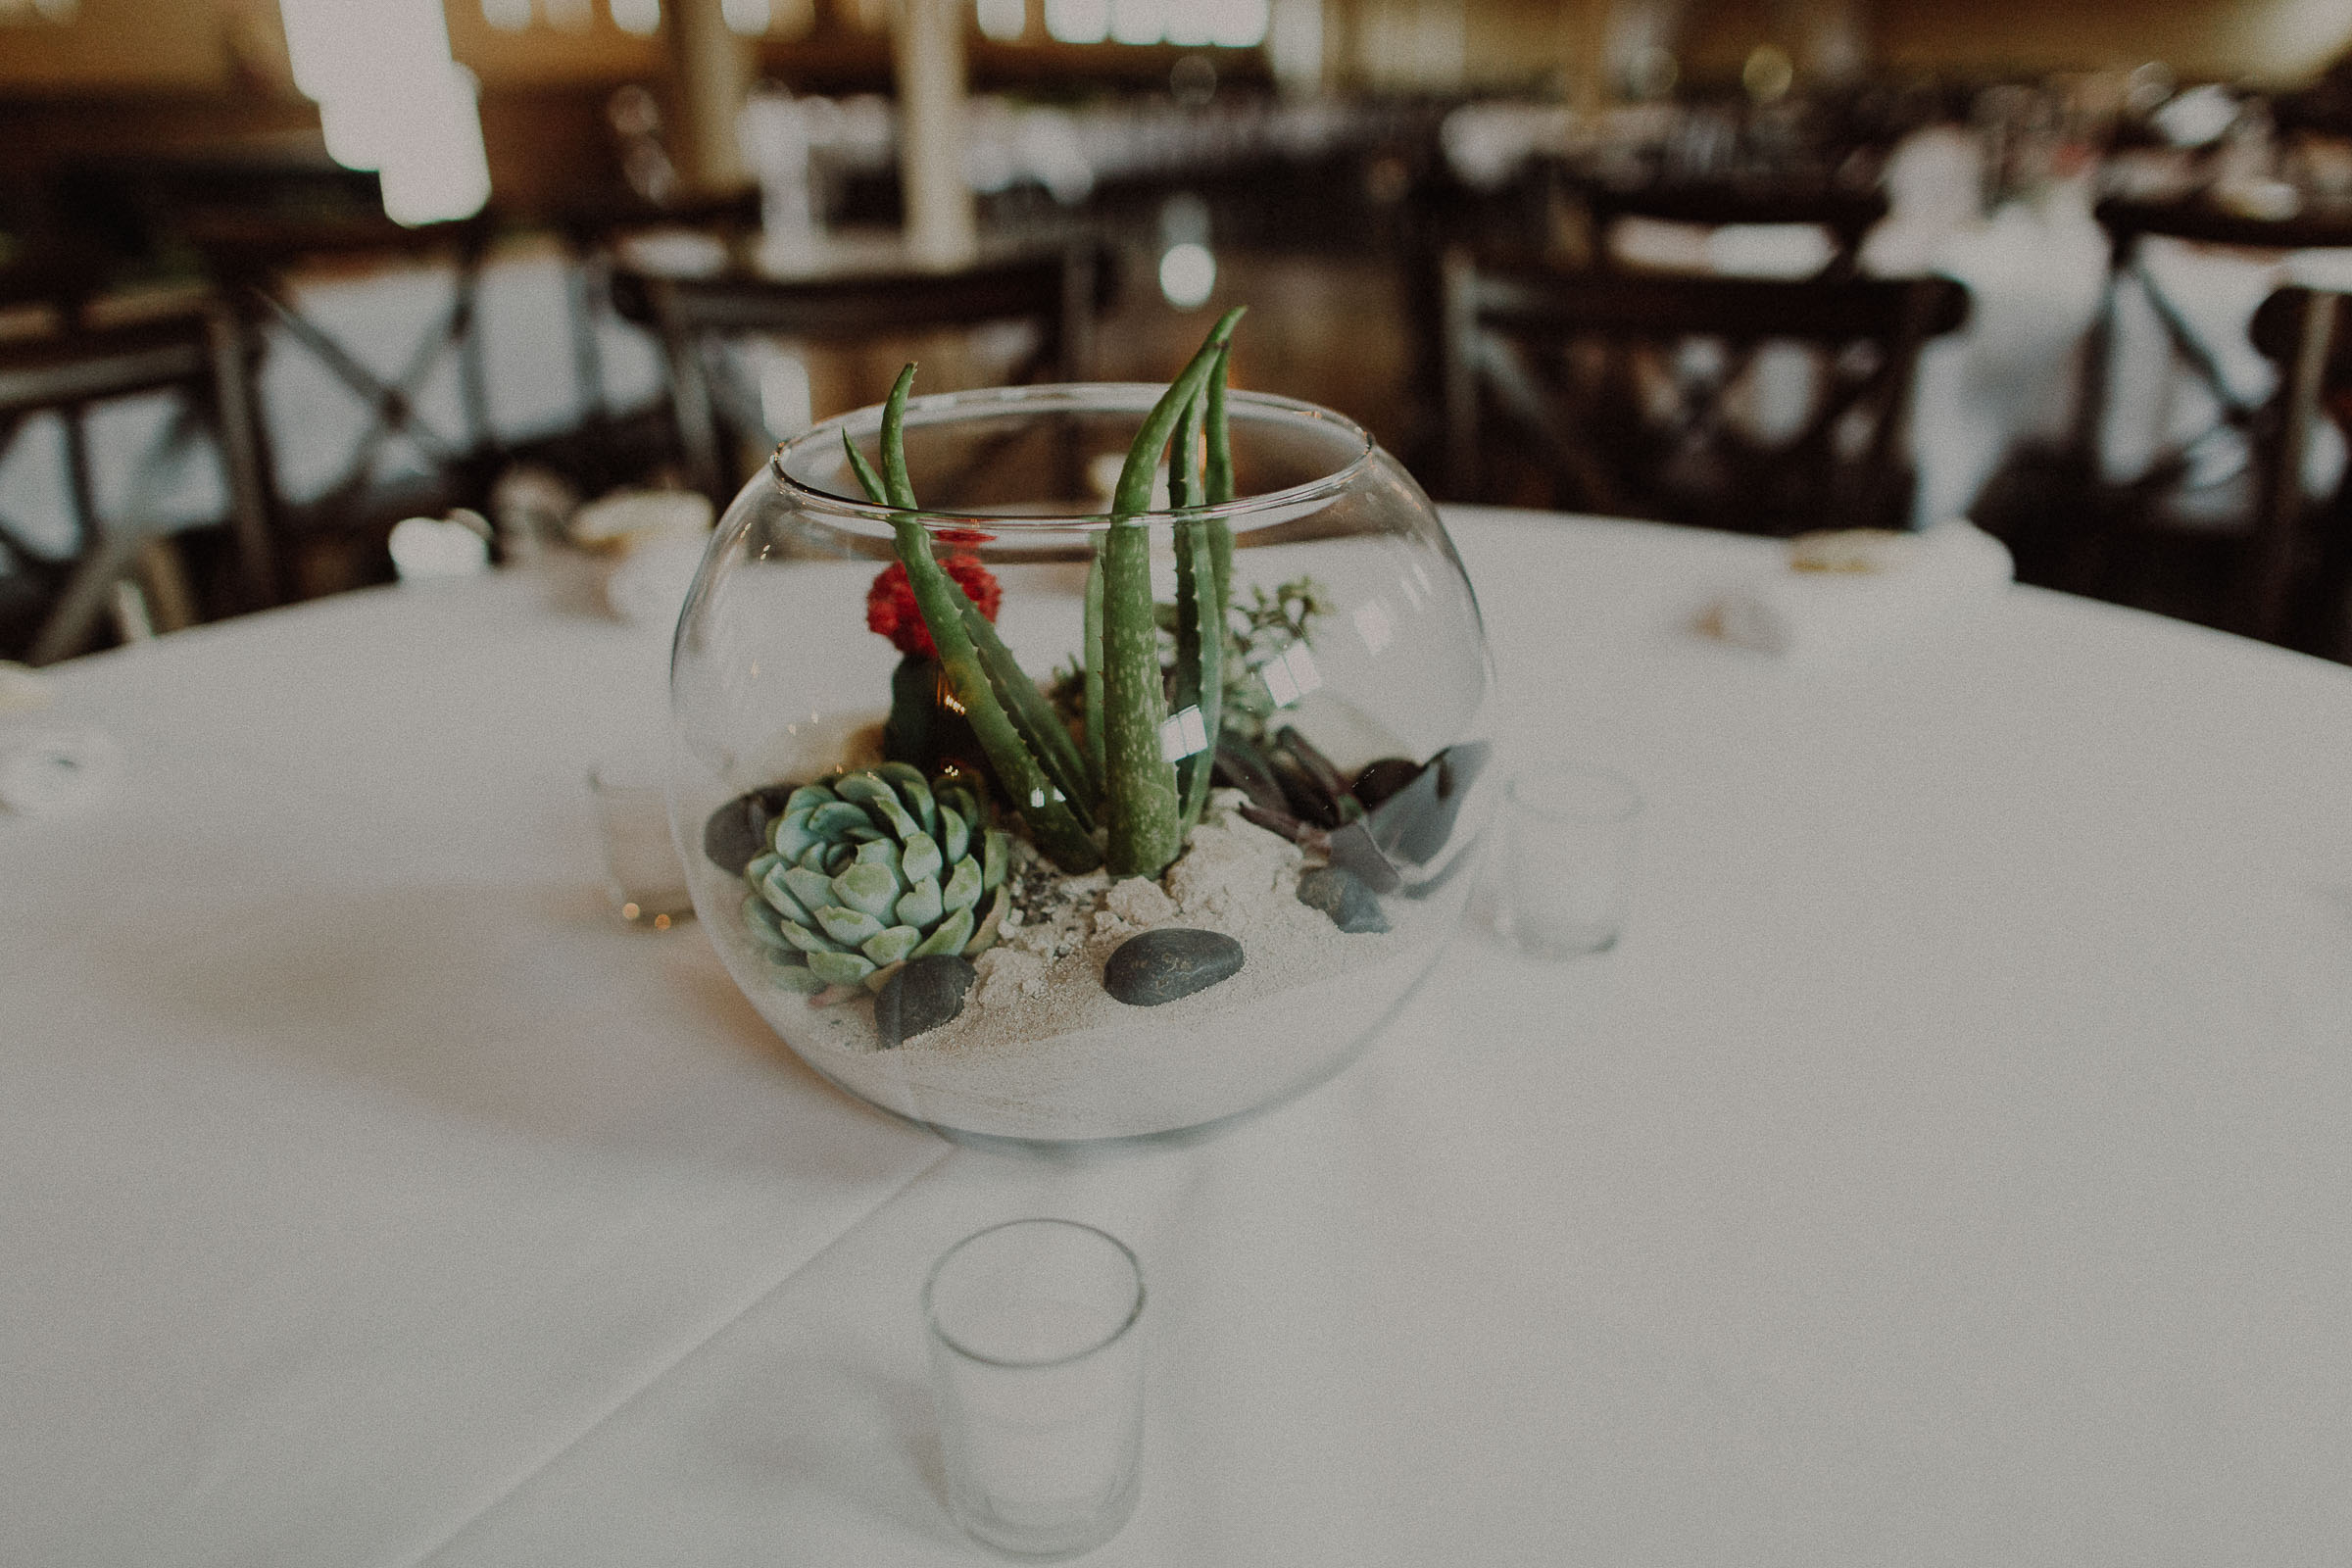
<point x="391" y="98"/>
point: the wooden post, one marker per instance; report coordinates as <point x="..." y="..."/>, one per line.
<point x="927" y="45"/>
<point x="711" y="70"/>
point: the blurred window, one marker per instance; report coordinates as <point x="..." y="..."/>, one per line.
<point x="1190" y="24"/>
<point x="1078" y="21"/>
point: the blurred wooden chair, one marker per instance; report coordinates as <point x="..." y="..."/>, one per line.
<point x="2207" y="526"/>
<point x="2184" y="465"/>
<point x="596" y="234"/>
<point x="2298" y="568"/>
<point x="257" y="259"/>
<point x="721" y="424"/>
<point x="116" y="566"/>
<point x="1620" y="394"/>
<point x="1845" y="216"/>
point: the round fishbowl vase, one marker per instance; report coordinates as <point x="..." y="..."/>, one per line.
<point x="969" y="959"/>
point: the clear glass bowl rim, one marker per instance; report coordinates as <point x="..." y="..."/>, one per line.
<point x="940" y="407"/>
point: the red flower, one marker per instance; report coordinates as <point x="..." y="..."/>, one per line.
<point x="890" y="606"/>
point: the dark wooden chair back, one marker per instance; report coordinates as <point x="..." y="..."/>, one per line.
<point x="2213" y="524"/>
<point x="1055" y="289"/>
<point x="194" y="352"/>
<point x="1846" y="216"/>
<point x="254" y="257"/>
<point x="1586" y="374"/>
<point x="2195" y="221"/>
<point x="2301" y="549"/>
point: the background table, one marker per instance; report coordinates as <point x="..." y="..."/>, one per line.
<point x="1948" y="1166"/>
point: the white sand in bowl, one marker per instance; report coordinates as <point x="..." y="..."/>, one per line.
<point x="1041" y="1050"/>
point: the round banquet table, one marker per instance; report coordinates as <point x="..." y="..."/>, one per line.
<point x="1949" y="1166"/>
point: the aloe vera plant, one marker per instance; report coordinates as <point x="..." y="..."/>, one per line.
<point x="1115" y="795"/>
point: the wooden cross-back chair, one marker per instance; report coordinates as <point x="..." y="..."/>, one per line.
<point x="1588" y="380"/>
<point x="2214" y="526"/>
<point x="256" y="258"/>
<point x="2182" y="464"/>
<point x="2299" y="548"/>
<point x="719" y="421"/>
<point x="115" y="566"/>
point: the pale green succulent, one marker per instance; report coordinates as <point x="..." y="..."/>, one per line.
<point x="868" y="869"/>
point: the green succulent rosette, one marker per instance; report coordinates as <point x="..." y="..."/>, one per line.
<point x="868" y="869"/>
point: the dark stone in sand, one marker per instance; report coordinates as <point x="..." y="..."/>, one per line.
<point x="924" y="994"/>
<point x="1412" y="826"/>
<point x="737" y="832"/>
<point x="1381" y="780"/>
<point x="1340" y="894"/>
<point x="1170" y="962"/>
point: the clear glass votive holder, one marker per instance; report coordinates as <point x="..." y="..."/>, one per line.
<point x="644" y="876"/>
<point x="1567" y="866"/>
<point x="1037" y="1373"/>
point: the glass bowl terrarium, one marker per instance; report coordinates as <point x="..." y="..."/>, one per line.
<point x="1123" y="785"/>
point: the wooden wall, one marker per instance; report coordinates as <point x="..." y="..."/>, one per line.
<point x="2266" y="40"/>
<point x="1508" y="43"/>
<point x="117" y="46"/>
<point x="187" y="50"/>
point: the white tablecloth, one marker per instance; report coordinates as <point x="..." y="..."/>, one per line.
<point x="1949" y="1165"/>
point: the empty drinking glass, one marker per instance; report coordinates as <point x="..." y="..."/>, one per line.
<point x="1568" y="859"/>
<point x="1037" y="1373"/>
<point x="644" y="875"/>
